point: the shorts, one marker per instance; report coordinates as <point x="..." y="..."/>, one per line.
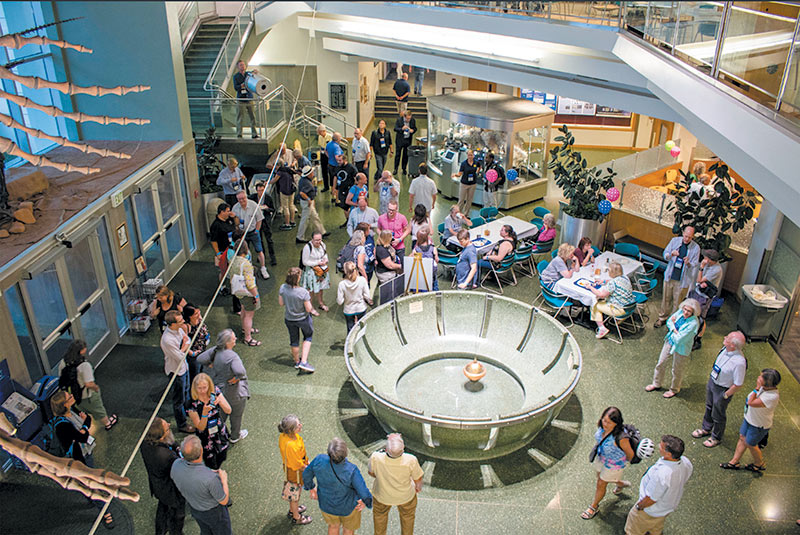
<point x="752" y="434"/>
<point x="609" y="475"/>
<point x="291" y="491"/>
<point x="295" y="327"/>
<point x="254" y="238"/>
<point x="249" y="303"/>
<point x="223" y="261"/>
<point x="351" y="521"/>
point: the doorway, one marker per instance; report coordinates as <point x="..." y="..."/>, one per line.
<point x="661" y="133"/>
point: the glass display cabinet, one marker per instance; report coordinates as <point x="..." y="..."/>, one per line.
<point x="516" y="130"/>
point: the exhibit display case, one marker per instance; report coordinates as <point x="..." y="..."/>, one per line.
<point x="516" y="130"/>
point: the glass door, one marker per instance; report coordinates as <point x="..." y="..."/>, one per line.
<point x="172" y="221"/>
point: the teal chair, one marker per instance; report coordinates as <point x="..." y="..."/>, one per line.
<point x="505" y="267"/>
<point x="628" y="249"/>
<point x="440" y="228"/>
<point x="448" y="260"/>
<point x="557" y="302"/>
<point x="554" y="254"/>
<point x="538" y="222"/>
<point x="523" y="260"/>
<point x="597" y="252"/>
<point x="489" y="213"/>
<point x="541" y="266"/>
<point x="540" y="211"/>
<point x="542" y="248"/>
<point x="619" y="322"/>
<point x="478" y="221"/>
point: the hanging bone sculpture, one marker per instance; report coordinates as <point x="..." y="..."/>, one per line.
<point x="18" y="40"/>
<point x="94" y="483"/>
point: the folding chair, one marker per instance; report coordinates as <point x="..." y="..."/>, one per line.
<point x="628" y="249"/>
<point x="557" y="302"/>
<point x="619" y="322"/>
<point x="489" y="213"/>
<point x="447" y="259"/>
<point x="504" y="267"/>
<point x="523" y="259"/>
<point x="477" y="221"/>
<point x="540" y="211"/>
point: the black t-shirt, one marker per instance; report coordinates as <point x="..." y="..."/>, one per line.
<point x="266" y="201"/>
<point x="469" y="173"/>
<point x="242" y="93"/>
<point x="501" y="178"/>
<point x="345" y="178"/>
<point x="381" y="253"/>
<point x="401" y="87"/>
<point x="305" y="186"/>
<point x="221" y="232"/>
<point x="381" y="142"/>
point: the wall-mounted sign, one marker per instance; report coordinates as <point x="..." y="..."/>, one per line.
<point x="571" y="106"/>
<point x="337" y="92"/>
<point x="116" y="198"/>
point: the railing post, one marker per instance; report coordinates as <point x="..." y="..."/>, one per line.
<point x="788" y="66"/>
<point x="675" y="32"/>
<point x="721" y="31"/>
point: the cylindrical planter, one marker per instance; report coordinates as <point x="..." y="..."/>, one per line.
<point x="573" y="229"/>
<point x="210" y="203"/>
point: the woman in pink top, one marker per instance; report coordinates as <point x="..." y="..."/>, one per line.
<point x="397" y="223"/>
<point x="547" y="232"/>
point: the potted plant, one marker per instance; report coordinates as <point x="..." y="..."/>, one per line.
<point x="208" y="163"/>
<point x="584" y="187"/>
<point x="716" y="212"/>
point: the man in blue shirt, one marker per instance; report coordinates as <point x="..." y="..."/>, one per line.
<point x="401" y="90"/>
<point x="340" y="488"/>
<point x="244" y="100"/>
<point x="333" y="149"/>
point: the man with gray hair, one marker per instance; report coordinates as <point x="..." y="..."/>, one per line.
<point x="683" y="257"/>
<point x="340" y="488"/>
<point x="398" y="479"/>
<point x="205" y="490"/>
<point x="361" y="153"/>
<point x="727" y="377"/>
<point x="225" y="368"/>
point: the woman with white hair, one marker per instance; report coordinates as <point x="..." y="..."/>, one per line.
<point x="615" y="295"/>
<point x="564" y="264"/>
<point x="681" y="328"/>
<point x="398" y="479"/>
<point x="548" y="231"/>
<point x="340" y="489"/>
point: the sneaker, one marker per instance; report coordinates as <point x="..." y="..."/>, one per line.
<point x="264" y="272"/>
<point x="601" y="333"/>
<point x="658" y="323"/>
<point x="242" y="434"/>
<point x="285" y="227"/>
<point x="296" y="365"/>
<point x="306" y="367"/>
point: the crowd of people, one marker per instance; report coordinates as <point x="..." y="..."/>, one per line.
<point x="209" y="381"/>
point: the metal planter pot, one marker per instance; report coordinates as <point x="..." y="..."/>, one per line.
<point x="573" y="229"/>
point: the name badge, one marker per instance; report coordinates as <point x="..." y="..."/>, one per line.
<point x="678" y="262"/>
<point x="715" y="372"/>
<point x="213" y="430"/>
<point x="383" y="143"/>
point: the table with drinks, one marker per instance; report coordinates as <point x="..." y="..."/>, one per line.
<point x="595" y="275"/>
<point x="485" y="236"/>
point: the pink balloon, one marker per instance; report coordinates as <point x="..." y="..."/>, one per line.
<point x="491" y="175"/>
<point x="675" y="151"/>
<point x="612" y="194"/>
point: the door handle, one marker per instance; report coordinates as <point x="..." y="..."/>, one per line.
<point x="84" y="308"/>
<point x="169" y="226"/>
<point x="65" y="328"/>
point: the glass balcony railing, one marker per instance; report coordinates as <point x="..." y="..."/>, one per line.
<point x="596" y="13"/>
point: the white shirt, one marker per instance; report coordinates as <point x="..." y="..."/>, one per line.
<point x="732" y="366"/>
<point x="171" y="342"/>
<point x="663" y="483"/>
<point x="85" y="375"/>
<point x="760" y="416"/>
<point x="423" y="189"/>
<point x="244" y="214"/>
<point x="360" y="149"/>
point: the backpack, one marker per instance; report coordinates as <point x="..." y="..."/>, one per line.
<point x="52" y="445"/>
<point x="631" y="433"/>
<point x="68" y="380"/>
<point x="345" y="255"/>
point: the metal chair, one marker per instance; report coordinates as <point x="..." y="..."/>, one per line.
<point x="538" y="222"/>
<point x="447" y="259"/>
<point x="628" y="249"/>
<point x="557" y="302"/>
<point x="554" y="254"/>
<point x="597" y="252"/>
<point x="477" y="221"/>
<point x="523" y="259"/>
<point x="619" y="322"/>
<point x="505" y="266"/>
<point x="489" y="213"/>
<point x="542" y="248"/>
<point x="541" y="266"/>
<point x="440" y="229"/>
<point x="646" y="288"/>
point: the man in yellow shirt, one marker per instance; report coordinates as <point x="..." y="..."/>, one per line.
<point x="398" y="479"/>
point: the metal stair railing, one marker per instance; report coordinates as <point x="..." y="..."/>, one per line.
<point x="190" y="18"/>
<point x="231" y="50"/>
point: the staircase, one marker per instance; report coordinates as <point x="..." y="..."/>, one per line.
<point x="385" y="107"/>
<point x="197" y="62"/>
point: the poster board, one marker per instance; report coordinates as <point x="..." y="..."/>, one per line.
<point x="419" y="277"/>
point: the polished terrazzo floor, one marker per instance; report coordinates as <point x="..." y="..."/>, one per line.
<point x="542" y="489"/>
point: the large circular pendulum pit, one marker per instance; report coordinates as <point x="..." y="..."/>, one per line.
<point x="462" y="375"/>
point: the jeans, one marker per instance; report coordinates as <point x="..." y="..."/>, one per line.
<point x="241" y="106"/>
<point x="170" y="519"/>
<point x="309" y="213"/>
<point x="351" y="319"/>
<point x="363" y="167"/>
<point x="401" y="156"/>
<point x="419" y="79"/>
<point x="380" y="163"/>
<point x="306" y="326"/>
<point x="215" y="521"/>
<point x="180" y="393"/>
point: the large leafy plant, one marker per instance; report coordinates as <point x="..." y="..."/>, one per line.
<point x="715" y="216"/>
<point x="208" y="163"/>
<point x="583" y="186"/>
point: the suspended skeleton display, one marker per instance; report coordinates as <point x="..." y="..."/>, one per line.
<point x="70" y="474"/>
<point x="7" y="146"/>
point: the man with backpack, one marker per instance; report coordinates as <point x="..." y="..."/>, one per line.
<point x="344" y="178"/>
<point x="159" y="451"/>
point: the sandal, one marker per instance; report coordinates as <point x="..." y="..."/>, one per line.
<point x="302" y="521"/>
<point x="108" y="521"/>
<point x="700" y="433"/>
<point x="253" y="330"/>
<point x="651" y="388"/>
<point x="252" y="342"/>
<point x="622" y="486"/>
<point x="755" y="468"/>
<point x="300" y="510"/>
<point x="669" y="394"/>
<point x="323" y="307"/>
<point x="112" y="421"/>
<point x="711" y="442"/>
<point x="589" y="513"/>
<point x="730" y="466"/>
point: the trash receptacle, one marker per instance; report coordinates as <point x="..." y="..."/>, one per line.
<point x="416" y="156"/>
<point x="760" y="306"/>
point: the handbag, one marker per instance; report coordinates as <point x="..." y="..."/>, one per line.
<point x="320" y="271"/>
<point x="596" y="448"/>
<point x="238" y="286"/>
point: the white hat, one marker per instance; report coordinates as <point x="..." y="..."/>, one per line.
<point x="307" y="170"/>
